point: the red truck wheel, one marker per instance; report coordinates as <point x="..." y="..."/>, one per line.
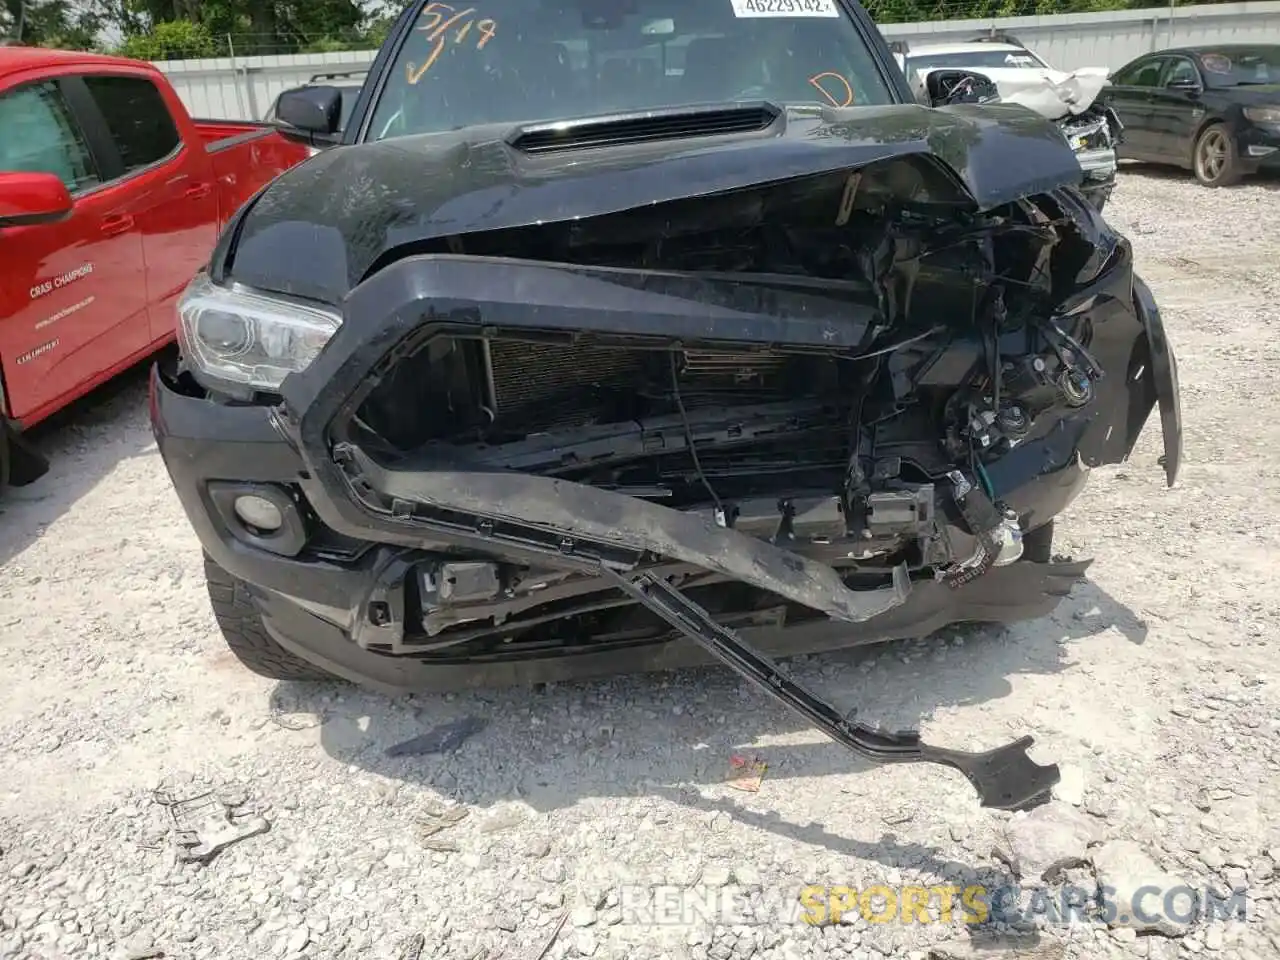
<point x="20" y="463"/>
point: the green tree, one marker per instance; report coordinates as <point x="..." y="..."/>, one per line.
<point x="50" y="23"/>
<point x="174" y="40"/>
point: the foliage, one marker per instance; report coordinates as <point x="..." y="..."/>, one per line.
<point x="915" y="11"/>
<point x="173" y="29"/>
<point x="51" y="23"/>
<point x="172" y="40"/>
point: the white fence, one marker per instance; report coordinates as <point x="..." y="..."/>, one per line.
<point x="243" y="88"/>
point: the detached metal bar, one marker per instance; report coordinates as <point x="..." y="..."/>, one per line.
<point x="1006" y="778"/>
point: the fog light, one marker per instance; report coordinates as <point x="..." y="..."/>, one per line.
<point x="259" y="512"/>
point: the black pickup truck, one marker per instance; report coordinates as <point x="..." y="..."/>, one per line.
<point x="623" y="334"/>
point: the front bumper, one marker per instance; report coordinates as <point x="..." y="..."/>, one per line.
<point x="1099" y="181"/>
<point x="318" y="603"/>
<point x="340" y="593"/>
<point x="1259" y="145"/>
<point x="1098" y="164"/>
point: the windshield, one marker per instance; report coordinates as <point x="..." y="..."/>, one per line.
<point x="501" y="61"/>
<point x="1234" y="68"/>
<point x="1009" y="59"/>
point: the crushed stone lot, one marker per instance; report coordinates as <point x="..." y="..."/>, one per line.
<point x="543" y="832"/>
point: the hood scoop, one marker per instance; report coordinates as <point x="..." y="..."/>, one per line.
<point x="650" y="126"/>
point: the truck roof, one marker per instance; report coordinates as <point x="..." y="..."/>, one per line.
<point x="14" y="59"/>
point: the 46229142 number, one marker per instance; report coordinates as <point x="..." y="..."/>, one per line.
<point x="785" y="8"/>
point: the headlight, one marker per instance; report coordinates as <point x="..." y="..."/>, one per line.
<point x="246" y="338"/>
<point x="1263" y="114"/>
<point x="1091" y="136"/>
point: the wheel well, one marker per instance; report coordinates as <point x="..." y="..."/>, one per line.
<point x="1205" y="124"/>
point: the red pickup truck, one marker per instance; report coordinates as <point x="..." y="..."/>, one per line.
<point x="111" y="199"/>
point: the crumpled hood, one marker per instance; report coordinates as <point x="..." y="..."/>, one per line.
<point x="1053" y="94"/>
<point x="317" y="230"/>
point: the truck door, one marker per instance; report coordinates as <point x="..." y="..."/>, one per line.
<point x="175" y="202"/>
<point x="72" y="304"/>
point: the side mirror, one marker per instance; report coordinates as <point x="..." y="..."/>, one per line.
<point x="30" y="198"/>
<point x="311" y="115"/>
<point x="946" y="87"/>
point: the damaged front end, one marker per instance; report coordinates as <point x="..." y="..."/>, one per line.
<point x="850" y="397"/>
<point x="1095" y="134"/>
<point x="1092" y="129"/>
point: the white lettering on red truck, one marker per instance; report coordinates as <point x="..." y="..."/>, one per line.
<point x="60" y="281"/>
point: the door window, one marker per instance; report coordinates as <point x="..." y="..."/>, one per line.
<point x="138" y="118"/>
<point x="41" y="136"/>
<point x="1181" y="70"/>
<point x="1144" y="74"/>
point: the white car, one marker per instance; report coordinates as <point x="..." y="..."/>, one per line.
<point x="1021" y="76"/>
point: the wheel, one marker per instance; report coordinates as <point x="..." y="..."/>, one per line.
<point x="20" y="463"/>
<point x="1037" y="544"/>
<point x="1215" y="161"/>
<point x="241" y="625"/>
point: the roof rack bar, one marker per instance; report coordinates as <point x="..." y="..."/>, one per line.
<point x="336" y="74"/>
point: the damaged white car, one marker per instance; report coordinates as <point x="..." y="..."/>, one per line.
<point x="1020" y="76"/>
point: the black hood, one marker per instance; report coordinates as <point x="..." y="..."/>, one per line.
<point x="317" y="230"/>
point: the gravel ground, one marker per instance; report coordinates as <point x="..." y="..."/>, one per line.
<point x="1150" y="685"/>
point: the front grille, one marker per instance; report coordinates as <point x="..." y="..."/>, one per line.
<point x="737" y="366"/>
<point x="560" y="385"/>
<point x="501" y="390"/>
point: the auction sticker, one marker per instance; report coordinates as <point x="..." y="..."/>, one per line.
<point x="1216" y="63"/>
<point x="785" y="8"/>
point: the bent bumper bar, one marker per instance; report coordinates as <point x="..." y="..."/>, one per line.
<point x="1005" y="778"/>
<point x="581" y="520"/>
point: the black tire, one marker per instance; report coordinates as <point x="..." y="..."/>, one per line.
<point x="1214" y="159"/>
<point x="4" y="458"/>
<point x="1037" y="545"/>
<point x="20" y="463"/>
<point x="241" y="625"/>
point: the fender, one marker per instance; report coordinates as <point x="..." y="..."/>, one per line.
<point x="1164" y="371"/>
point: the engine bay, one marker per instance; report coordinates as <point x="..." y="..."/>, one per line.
<point x="870" y="457"/>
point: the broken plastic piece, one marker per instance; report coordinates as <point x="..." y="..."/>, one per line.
<point x="1006" y="778"/>
<point x="203" y="827"/>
